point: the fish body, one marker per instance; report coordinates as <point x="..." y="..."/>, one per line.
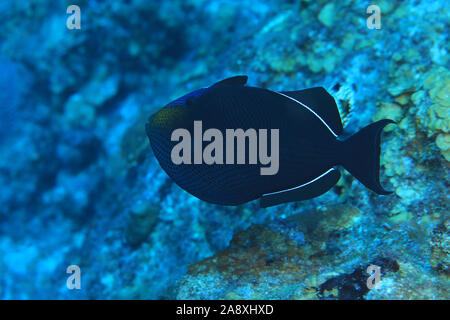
<point x="309" y="149"/>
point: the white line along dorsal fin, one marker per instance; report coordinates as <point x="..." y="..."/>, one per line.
<point x="301" y="186"/>
<point x="308" y="108"/>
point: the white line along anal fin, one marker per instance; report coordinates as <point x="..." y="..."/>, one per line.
<point x="308" y="190"/>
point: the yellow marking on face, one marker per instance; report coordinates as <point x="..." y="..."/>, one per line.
<point x="168" y="117"/>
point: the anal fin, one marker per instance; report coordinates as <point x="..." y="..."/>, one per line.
<point x="309" y="190"/>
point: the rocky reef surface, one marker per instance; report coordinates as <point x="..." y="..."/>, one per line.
<point x="80" y="185"/>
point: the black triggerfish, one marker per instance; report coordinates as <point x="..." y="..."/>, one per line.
<point x="231" y="143"/>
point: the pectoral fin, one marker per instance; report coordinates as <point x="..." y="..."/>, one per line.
<point x="309" y="190"/>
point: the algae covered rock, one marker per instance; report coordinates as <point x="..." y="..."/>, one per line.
<point x="282" y="259"/>
<point x="440" y="248"/>
<point x="438" y="85"/>
<point x="443" y="142"/>
<point x="259" y="263"/>
<point x="327" y="14"/>
<point x="134" y="142"/>
<point x="353" y="286"/>
<point x="143" y="218"/>
<point x="389" y="111"/>
<point x="78" y="112"/>
<point x="436" y="120"/>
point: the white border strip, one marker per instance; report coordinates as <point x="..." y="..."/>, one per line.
<point x="303" y="185"/>
<point x="304" y="105"/>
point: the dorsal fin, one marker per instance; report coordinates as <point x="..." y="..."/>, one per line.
<point x="321" y="102"/>
<point x="233" y="81"/>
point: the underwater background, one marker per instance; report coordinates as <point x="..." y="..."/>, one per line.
<point x="80" y="186"/>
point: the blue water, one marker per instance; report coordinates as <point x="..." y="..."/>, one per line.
<point x="81" y="187"/>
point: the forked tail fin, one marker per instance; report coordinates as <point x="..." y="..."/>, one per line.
<point x="362" y="155"/>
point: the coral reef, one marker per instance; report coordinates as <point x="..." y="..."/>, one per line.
<point x="353" y="286"/>
<point x="143" y="217"/>
<point x="440" y="248"/>
<point x="80" y="184"/>
<point x="261" y="263"/>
